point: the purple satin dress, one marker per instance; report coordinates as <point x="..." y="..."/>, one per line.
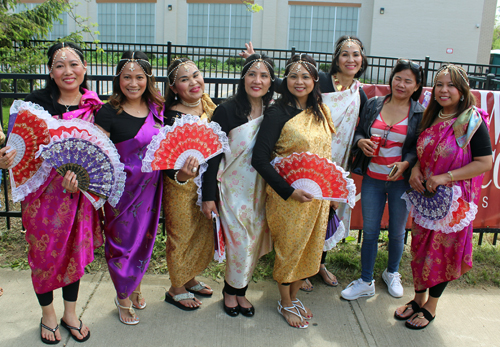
<point x="130" y="228"/>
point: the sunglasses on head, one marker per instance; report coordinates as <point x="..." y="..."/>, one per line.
<point x="410" y="62"/>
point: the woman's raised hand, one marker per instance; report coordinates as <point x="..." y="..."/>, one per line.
<point x="70" y="183"/>
<point x="302" y="196"/>
<point x="248" y="52"/>
<point x="7" y="159"/>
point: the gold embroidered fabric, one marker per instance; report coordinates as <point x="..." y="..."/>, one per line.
<point x="298" y="229"/>
<point x="190" y="236"/>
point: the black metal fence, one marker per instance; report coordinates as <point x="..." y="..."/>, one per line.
<point x="225" y="62"/>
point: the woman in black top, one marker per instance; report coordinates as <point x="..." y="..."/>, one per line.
<point x="238" y="190"/>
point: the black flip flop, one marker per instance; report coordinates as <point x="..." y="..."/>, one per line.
<point x="427" y="315"/>
<point x="170" y="300"/>
<point x="53" y="331"/>
<point x="414" y="306"/>
<point x="69" y="328"/>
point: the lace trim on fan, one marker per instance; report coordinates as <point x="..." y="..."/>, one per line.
<point x="89" y="132"/>
<point x="186" y="119"/>
<point x="198" y="180"/>
<point x="443" y="224"/>
<point x="336" y="237"/>
<point x="96" y="203"/>
<point x="351" y="187"/>
<point x="31" y="185"/>
<point x="36" y="109"/>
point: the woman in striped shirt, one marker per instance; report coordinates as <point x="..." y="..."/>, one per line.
<point x="395" y="118"/>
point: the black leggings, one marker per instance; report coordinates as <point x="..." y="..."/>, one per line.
<point x="69" y="293"/>
<point x="234" y="291"/>
<point x="435" y="291"/>
<point x="323" y="258"/>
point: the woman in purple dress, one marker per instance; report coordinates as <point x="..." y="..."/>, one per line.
<point x="131" y="118"/>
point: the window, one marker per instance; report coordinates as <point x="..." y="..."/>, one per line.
<point x="226" y="25"/>
<point x="58" y="29"/>
<point x="316" y="28"/>
<point x="126" y="22"/>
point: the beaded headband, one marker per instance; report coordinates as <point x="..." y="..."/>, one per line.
<point x="258" y="61"/>
<point x="348" y="41"/>
<point x="63" y="50"/>
<point x="176" y="69"/>
<point x="445" y="68"/>
<point x="132" y="65"/>
<point x="305" y="64"/>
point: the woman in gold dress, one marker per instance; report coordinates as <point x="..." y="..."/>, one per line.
<point x="190" y="238"/>
<point x="298" y="122"/>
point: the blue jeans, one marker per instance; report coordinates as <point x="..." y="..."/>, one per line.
<point x="374" y="194"/>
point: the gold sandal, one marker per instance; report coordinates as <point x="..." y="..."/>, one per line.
<point x="139" y="299"/>
<point x="130" y="311"/>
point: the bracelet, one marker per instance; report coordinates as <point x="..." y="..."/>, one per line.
<point x="451" y="176"/>
<point x="177" y="181"/>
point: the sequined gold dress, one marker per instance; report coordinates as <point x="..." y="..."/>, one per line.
<point x="297" y="229"/>
<point x="190" y="237"/>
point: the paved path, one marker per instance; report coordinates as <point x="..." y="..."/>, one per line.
<point x="465" y="318"/>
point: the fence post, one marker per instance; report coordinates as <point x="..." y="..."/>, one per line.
<point x="426" y="69"/>
<point x="293" y="51"/>
<point x="169" y="52"/>
<point x="489" y="85"/>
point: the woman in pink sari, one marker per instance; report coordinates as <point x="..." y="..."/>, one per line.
<point x="454" y="150"/>
<point x="62" y="226"/>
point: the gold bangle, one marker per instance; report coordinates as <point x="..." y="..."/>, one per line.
<point x="177" y="181"/>
<point x="451" y="176"/>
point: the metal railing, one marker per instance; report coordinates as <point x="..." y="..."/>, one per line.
<point x="218" y="88"/>
<point x="225" y="62"/>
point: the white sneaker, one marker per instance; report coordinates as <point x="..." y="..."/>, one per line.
<point x="393" y="281"/>
<point x="357" y="289"/>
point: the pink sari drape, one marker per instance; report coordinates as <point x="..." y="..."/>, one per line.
<point x="62" y="229"/>
<point x="440" y="257"/>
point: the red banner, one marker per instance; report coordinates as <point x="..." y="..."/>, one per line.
<point x="488" y="214"/>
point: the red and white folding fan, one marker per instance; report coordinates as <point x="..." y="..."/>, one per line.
<point x="220" y="244"/>
<point x="318" y="176"/>
<point x="30" y="130"/>
<point x="188" y="136"/>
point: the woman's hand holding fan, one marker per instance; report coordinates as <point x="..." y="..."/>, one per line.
<point x="315" y="177"/>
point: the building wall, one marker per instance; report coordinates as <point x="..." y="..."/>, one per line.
<point x="408" y="28"/>
<point x="415" y="29"/>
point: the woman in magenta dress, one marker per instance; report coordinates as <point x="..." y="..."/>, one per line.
<point x="62" y="226"/>
<point x="454" y="149"/>
<point x="133" y="115"/>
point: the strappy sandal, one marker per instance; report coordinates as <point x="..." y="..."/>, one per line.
<point x="131" y="311"/>
<point x="174" y="300"/>
<point x="197" y="288"/>
<point x="413" y="305"/>
<point x="53" y="331"/>
<point x="293" y="310"/>
<point x="297" y="303"/>
<point x="309" y="287"/>
<point x="332" y="282"/>
<point x="139" y="299"/>
<point x="425" y="314"/>
<point x="69" y="328"/>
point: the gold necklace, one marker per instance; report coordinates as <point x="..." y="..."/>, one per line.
<point x="192" y="104"/>
<point x="71" y="103"/>
<point x="445" y="116"/>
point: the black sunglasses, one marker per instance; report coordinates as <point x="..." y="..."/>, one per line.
<point x="409" y="62"/>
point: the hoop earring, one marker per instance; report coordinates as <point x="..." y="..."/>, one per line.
<point x="462" y="98"/>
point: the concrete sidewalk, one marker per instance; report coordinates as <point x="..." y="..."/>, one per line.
<point x="465" y="317"/>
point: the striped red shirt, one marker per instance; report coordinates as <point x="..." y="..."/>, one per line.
<point x="391" y="147"/>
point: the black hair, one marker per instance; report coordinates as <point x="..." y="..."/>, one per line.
<point x="314" y="99"/>
<point x="415" y="68"/>
<point x="170" y="96"/>
<point x="336" y="54"/>
<point x="243" y="106"/>
<point x="50" y="86"/>
<point x="150" y="95"/>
